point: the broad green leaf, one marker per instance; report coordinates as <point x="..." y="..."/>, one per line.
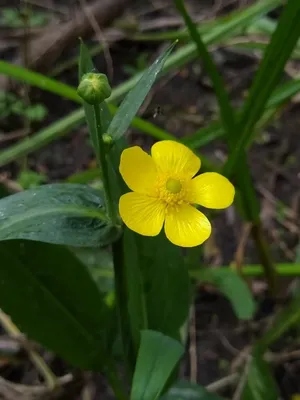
<point x="67" y="214"/>
<point x="158" y="355"/>
<point x="53" y="299"/>
<point x="261" y="384"/>
<point x="232" y="286"/>
<point x="189" y="391"/>
<point x="134" y="99"/>
<point x="288" y="317"/>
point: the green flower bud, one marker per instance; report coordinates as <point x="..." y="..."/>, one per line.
<point x="94" y="88"/>
<point x="107" y="139"/>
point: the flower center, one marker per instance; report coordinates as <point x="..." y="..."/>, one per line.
<point x="173" y="186"/>
<point x="171" y="191"/>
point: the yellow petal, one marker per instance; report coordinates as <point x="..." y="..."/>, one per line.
<point x="211" y="190"/>
<point x="142" y="214"/>
<point x="138" y="170"/>
<point x="176" y="159"/>
<point x="187" y="227"/>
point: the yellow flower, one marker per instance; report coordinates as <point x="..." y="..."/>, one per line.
<point x="164" y="189"/>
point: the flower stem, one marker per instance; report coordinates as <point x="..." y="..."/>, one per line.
<point x="265" y="257"/>
<point x="121" y="292"/>
<point x="115" y="382"/>
<point x="102" y="162"/>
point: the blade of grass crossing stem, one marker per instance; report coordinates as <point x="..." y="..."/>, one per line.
<point x="270" y="71"/>
<point x="226" y="27"/>
<point x="136" y="96"/>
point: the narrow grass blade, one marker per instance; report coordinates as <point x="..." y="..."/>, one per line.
<point x="226" y="109"/>
<point x="270" y="71"/>
<point x="287" y="318"/>
<point x="134" y="99"/>
<point x="226" y="27"/>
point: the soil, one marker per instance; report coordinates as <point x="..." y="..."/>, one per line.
<point x="187" y="102"/>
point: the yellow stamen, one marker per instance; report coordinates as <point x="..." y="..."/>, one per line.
<point x="173" y="186"/>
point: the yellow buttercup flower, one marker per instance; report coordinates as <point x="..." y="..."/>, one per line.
<point x="164" y="190"/>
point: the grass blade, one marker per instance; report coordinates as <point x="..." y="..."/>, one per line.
<point x="270" y="71"/>
<point x="135" y="97"/>
<point x="226" y="27"/>
<point x="226" y="109"/>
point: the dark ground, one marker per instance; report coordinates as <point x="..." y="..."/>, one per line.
<point x="187" y="102"/>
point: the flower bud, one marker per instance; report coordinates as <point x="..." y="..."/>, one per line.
<point x="107" y="139"/>
<point x="94" y="88"/>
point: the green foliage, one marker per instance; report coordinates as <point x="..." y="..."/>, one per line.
<point x="40" y="288"/>
<point x="140" y="64"/>
<point x="11" y="105"/>
<point x="136" y="96"/>
<point x="67" y="214"/>
<point x="157" y="357"/>
<point x="28" y="179"/>
<point x="129" y="301"/>
<point x="15" y="18"/>
<point x="232" y="286"/>
<point x="260" y="382"/>
<point x="189" y="391"/>
<point x="285" y="320"/>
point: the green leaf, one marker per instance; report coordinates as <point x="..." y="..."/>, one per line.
<point x="288" y="317"/>
<point x="134" y="99"/>
<point x="232" y="286"/>
<point x="53" y="299"/>
<point x="189" y="391"/>
<point x="29" y="179"/>
<point x="260" y="384"/>
<point x="100" y="264"/>
<point x="154" y="279"/>
<point x="67" y="214"/>
<point x="157" y="357"/>
<point x="36" y="112"/>
<point x="164" y="276"/>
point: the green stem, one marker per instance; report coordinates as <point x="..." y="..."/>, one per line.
<point x="122" y="304"/>
<point x="265" y="257"/>
<point x="102" y="162"/>
<point x="115" y="382"/>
